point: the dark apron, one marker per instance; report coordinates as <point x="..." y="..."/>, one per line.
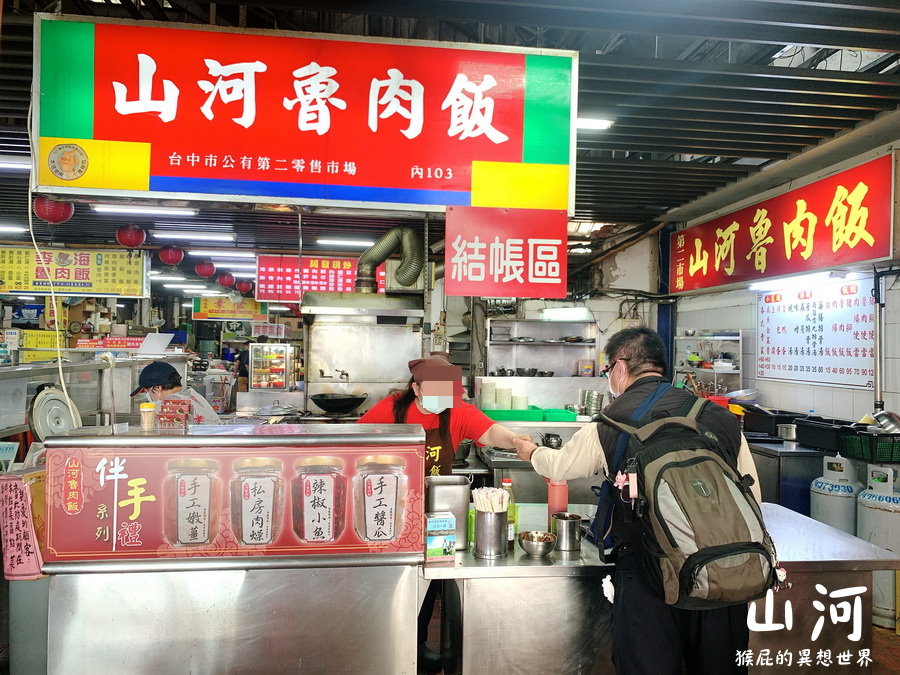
<point x="438" y="459"/>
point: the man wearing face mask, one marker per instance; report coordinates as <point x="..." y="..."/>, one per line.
<point x="159" y="380"/>
<point x="705" y="640"/>
<point x="433" y="398"/>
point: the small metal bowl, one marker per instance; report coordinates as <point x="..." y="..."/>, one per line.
<point x="537" y="544"/>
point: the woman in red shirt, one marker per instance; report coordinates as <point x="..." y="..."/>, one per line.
<point x="433" y="399"/>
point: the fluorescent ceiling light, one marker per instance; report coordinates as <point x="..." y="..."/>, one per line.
<point x="192" y="236"/>
<point x="211" y="293"/>
<point x="15" y="162"/>
<point x="791" y="283"/>
<point x="154" y="272"/>
<point x="213" y="253"/>
<point x="244" y="275"/>
<point x="119" y="304"/>
<point x="13" y="228"/>
<point x="580" y="250"/>
<point x="236" y="266"/>
<point x="167" y="277"/>
<point x="593" y="123"/>
<point x="26" y="297"/>
<point x="186" y="287"/>
<point x="278" y="308"/>
<point x="361" y="243"/>
<point x="135" y="209"/>
<point x="187" y="304"/>
<point x="566" y="314"/>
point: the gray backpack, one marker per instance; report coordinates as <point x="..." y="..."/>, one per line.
<point x="704" y="541"/>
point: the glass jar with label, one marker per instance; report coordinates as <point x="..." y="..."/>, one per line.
<point x="257" y="494"/>
<point x="192" y="493"/>
<point x="319" y="496"/>
<point x="379" y="497"/>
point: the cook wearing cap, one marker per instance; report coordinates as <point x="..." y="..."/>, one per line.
<point x="433" y="398"/>
<point x="159" y="380"/>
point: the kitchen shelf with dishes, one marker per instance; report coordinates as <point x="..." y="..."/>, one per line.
<point x="714" y="353"/>
<point x="529" y="347"/>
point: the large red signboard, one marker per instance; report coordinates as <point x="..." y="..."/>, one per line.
<point x="839" y="220"/>
<point x="182" y="109"/>
<point x="284" y="278"/>
<point x="105" y="503"/>
<point x="505" y="253"/>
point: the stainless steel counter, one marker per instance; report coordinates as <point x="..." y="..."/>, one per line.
<point x="785" y="472"/>
<point x="808" y="545"/>
<point x="244" y="436"/>
<point x="516" y="564"/>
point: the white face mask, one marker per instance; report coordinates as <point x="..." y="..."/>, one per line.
<point x="614" y="392"/>
<point x="437" y="404"/>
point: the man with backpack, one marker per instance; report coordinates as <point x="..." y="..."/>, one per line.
<point x="679" y="509"/>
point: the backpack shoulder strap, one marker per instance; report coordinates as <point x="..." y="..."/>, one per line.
<point x="688" y="421"/>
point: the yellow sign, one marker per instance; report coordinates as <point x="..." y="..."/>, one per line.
<point x="74" y="272"/>
<point x="223" y="309"/>
<point x="39" y="339"/>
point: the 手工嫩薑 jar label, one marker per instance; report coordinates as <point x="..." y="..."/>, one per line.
<point x="257" y="505"/>
<point x="379" y="505"/>
<point x="318" y="507"/>
<point x="192" y="506"/>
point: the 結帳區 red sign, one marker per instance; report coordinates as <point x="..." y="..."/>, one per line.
<point x="506" y="253"/>
<point x="841" y="219"/>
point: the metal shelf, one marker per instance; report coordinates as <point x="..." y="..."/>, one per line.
<point x="541" y="343"/>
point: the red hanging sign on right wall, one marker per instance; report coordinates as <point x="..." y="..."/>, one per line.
<point x="842" y="219"/>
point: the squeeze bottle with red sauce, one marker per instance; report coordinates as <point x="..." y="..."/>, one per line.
<point x="557" y="498"/>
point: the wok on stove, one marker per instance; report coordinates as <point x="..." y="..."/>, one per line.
<point x="338" y="403"/>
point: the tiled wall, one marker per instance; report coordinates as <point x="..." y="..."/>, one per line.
<point x="737" y="309"/>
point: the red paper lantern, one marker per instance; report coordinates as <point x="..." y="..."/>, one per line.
<point x="52" y="211"/>
<point x="226" y="280"/>
<point x="130" y="236"/>
<point x="171" y="255"/>
<point x="243" y="286"/>
<point x="205" y="269"/>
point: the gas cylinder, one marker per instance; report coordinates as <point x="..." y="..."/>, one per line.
<point x="878" y="522"/>
<point x="832" y="496"/>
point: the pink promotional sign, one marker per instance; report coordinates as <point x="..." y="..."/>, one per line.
<point x="284" y="278"/>
<point x="505" y="253"/>
<point x="21" y="554"/>
<point x="107" y="503"/>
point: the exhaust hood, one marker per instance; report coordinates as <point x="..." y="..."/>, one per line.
<point x="361" y="304"/>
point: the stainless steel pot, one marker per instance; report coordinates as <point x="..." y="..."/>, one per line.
<point x="787" y="431"/>
<point x="276" y="409"/>
<point x="889" y="421"/>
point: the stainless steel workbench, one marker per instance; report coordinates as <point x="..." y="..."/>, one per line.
<point x="549" y="615"/>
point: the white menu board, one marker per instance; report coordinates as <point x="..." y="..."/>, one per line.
<point x="823" y="334"/>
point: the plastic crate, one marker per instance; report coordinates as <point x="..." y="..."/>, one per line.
<point x="533" y="414"/>
<point x="756" y="419"/>
<point x="559" y="415"/>
<point x="824" y="433"/>
<point x="871" y="447"/>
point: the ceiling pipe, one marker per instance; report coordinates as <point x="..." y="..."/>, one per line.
<point x="411" y="262"/>
<point x="867" y="136"/>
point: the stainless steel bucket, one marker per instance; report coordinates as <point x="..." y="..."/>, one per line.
<point x="450" y="493"/>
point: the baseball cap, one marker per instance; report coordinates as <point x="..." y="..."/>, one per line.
<point x="156" y="374"/>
